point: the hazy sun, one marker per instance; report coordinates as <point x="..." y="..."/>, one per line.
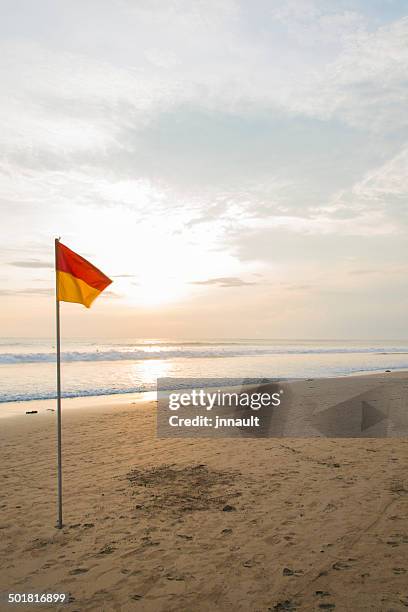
<point x="152" y="259"/>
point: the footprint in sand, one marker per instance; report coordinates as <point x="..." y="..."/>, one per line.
<point x="287" y="571"/>
<point x="175" y="576"/>
<point x="272" y="539"/>
<point x="108" y="549"/>
<point x="340" y="565"/>
<point x="79" y="570"/>
<point x="282" y="606"/>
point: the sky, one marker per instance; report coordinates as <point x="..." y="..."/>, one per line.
<point x="239" y="169"/>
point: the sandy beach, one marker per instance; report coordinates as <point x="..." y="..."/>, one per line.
<point x="204" y="524"/>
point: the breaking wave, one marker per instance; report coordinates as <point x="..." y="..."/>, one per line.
<point x="216" y="351"/>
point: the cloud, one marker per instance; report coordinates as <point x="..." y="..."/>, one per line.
<point x="31" y="263"/>
<point x="228" y="281"/>
<point x="82" y="98"/>
<point x="363" y="272"/>
<point x="205" y="104"/>
<point x="201" y="118"/>
<point x="380" y="194"/>
<point x="45" y="291"/>
<point x="28" y="291"/>
<point x="365" y="86"/>
<point x="299" y="287"/>
<point x="38" y="291"/>
<point x="258" y="135"/>
<point x="111" y="294"/>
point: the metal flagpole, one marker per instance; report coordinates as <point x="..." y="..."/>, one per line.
<point x="59" y="449"/>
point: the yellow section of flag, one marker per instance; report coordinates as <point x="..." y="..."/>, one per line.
<point x="77" y="279"/>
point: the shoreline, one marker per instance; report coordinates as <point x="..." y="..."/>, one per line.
<point x="87" y="402"/>
<point x="46" y="406"/>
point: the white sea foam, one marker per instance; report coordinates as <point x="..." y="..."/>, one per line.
<point x="181" y="351"/>
<point x="27" y="367"/>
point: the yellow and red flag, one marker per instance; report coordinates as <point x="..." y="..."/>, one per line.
<point x="77" y="279"/>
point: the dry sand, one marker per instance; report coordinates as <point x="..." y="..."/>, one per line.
<point x="204" y="525"/>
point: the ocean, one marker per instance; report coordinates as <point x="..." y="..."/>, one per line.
<point x="27" y="366"/>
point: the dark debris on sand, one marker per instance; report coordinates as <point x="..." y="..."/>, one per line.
<point x="182" y="489"/>
<point x="286" y="605"/>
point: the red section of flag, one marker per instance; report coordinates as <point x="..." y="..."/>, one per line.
<point x="77" y="266"/>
